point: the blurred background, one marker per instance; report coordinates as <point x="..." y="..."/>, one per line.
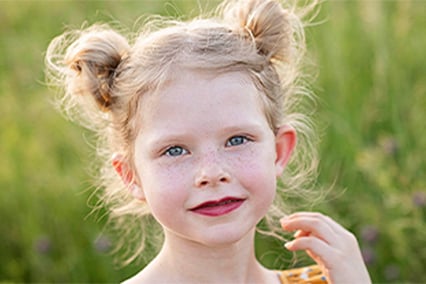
<point x="371" y="57"/>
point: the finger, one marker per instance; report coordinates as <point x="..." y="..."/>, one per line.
<point x="319" y="250"/>
<point x="341" y="238"/>
<point x="314" y="257"/>
<point x="333" y="224"/>
<point x="301" y="233"/>
<point x="310" y="226"/>
<point x="302" y="214"/>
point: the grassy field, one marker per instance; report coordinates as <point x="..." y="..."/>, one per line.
<point x="372" y="102"/>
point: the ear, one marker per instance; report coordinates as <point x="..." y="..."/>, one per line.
<point x="127" y="175"/>
<point x="285" y="141"/>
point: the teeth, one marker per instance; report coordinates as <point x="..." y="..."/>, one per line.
<point x="226" y="202"/>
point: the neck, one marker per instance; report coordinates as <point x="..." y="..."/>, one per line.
<point x="186" y="261"/>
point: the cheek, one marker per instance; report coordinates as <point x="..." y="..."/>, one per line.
<point x="256" y="171"/>
<point x="259" y="179"/>
<point x="164" y="187"/>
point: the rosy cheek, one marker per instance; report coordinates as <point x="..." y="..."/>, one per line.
<point x="165" y="193"/>
<point x="168" y="184"/>
<point x="255" y="170"/>
<point x="256" y="176"/>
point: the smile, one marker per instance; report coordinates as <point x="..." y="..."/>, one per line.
<point x="219" y="207"/>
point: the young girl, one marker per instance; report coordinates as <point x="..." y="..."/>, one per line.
<point x="196" y="121"/>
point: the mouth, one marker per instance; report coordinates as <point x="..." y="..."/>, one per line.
<point x="218" y="207"/>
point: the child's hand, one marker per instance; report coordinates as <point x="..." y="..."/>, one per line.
<point x="334" y="248"/>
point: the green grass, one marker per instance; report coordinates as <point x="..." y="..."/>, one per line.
<point x="372" y="93"/>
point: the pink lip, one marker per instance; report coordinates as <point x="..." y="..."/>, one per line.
<point x="218" y="207"/>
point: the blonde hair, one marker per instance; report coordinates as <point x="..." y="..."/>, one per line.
<point x="103" y="75"/>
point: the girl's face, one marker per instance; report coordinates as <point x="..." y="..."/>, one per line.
<point x="206" y="158"/>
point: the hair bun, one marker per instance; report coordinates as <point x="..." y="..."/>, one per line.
<point x="92" y="59"/>
<point x="265" y="22"/>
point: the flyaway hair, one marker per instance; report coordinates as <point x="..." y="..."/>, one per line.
<point x="102" y="74"/>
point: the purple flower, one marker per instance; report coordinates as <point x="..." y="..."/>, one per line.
<point x="419" y="199"/>
<point x="368" y="255"/>
<point x="370" y="234"/>
<point x="102" y="244"/>
<point x="43" y="245"/>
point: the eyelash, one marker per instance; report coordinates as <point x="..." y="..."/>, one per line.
<point x="168" y="151"/>
<point x="242" y="139"/>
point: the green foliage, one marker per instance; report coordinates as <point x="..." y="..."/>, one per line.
<point x="372" y="75"/>
<point x="371" y="87"/>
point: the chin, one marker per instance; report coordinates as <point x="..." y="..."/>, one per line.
<point x="226" y="235"/>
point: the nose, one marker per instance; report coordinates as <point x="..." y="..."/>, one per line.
<point x="212" y="172"/>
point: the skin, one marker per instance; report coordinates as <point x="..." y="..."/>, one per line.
<point x="187" y="154"/>
<point x="334" y="248"/>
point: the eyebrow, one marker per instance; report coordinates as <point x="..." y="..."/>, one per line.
<point x="179" y="136"/>
<point x="250" y="127"/>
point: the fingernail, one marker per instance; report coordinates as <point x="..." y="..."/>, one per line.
<point x="288" y="245"/>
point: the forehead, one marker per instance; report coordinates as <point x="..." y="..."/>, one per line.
<point x="192" y="94"/>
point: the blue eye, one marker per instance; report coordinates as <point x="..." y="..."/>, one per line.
<point x="175" y="151"/>
<point x="236" y="140"/>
